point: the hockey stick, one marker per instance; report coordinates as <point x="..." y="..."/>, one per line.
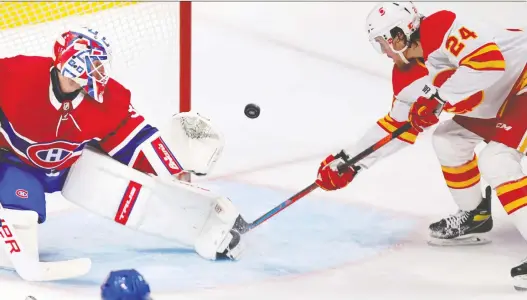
<point x="242" y="226"/>
<point x="29" y="268"/>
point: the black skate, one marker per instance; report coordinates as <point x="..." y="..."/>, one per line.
<point x="235" y="248"/>
<point x="519" y="276"/>
<point x="465" y="227"/>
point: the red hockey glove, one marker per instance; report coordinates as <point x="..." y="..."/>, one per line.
<point x="329" y="178"/>
<point x="423" y="113"/>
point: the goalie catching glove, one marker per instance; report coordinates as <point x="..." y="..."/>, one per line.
<point x="329" y="178"/>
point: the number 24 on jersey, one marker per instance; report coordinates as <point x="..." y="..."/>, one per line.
<point x="454" y="43"/>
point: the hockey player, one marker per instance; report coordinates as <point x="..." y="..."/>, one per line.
<point x="51" y="109"/>
<point x="454" y="142"/>
<point x="488" y="61"/>
<point x="125" y="284"/>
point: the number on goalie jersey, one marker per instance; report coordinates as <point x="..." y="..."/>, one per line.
<point x="42" y="136"/>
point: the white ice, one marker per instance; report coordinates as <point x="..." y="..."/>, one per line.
<point x="310" y="107"/>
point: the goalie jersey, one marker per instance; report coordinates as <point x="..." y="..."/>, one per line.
<point x="48" y="136"/>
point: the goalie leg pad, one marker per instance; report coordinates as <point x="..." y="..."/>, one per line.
<point x="170" y="209"/>
<point x="25" y="224"/>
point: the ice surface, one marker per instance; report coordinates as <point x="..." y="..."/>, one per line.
<point x="364" y="242"/>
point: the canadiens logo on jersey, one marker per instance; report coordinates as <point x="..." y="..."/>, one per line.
<point x="52" y="155"/>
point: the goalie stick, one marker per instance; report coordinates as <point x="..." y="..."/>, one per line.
<point x="29" y="268"/>
<point x="243" y="226"/>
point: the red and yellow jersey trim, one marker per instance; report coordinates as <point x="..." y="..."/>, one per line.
<point x="390" y="125"/>
<point x="486" y="58"/>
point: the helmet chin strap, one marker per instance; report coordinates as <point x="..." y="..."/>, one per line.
<point x="403" y="58"/>
<point x="401" y="55"/>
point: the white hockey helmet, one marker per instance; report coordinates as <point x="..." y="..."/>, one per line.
<point x="387" y="16"/>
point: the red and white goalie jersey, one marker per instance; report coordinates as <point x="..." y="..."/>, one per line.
<point x="489" y="62"/>
<point x="49" y="136"/>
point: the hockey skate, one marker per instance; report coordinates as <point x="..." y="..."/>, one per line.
<point x="465" y="227"/>
<point x="519" y="276"/>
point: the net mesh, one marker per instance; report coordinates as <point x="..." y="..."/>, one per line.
<point x="30" y="28"/>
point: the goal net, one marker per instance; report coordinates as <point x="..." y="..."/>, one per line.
<point x="145" y="38"/>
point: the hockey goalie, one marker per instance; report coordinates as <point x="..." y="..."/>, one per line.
<point x="52" y="109"/>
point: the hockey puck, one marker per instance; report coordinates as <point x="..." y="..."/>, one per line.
<point x="252" y="111"/>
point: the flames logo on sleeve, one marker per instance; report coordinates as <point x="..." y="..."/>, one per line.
<point x="464" y="106"/>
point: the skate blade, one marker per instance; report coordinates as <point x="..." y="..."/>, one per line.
<point x="520" y="283"/>
<point x="460" y="241"/>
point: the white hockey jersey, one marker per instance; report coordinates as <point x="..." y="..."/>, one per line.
<point x="489" y="62"/>
<point x="407" y="86"/>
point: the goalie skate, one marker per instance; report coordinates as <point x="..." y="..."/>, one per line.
<point x="465" y="227"/>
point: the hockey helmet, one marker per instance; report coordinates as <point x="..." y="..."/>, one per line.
<point x="384" y="18"/>
<point x="84" y="55"/>
<point x="125" y="285"/>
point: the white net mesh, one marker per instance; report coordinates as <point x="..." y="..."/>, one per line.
<point x="144" y="37"/>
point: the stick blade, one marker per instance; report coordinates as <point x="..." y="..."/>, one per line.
<point x="57" y="270"/>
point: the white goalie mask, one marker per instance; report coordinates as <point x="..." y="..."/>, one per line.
<point x="384" y="18"/>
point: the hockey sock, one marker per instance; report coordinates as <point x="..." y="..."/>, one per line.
<point x="464" y="184"/>
<point x="513" y="197"/>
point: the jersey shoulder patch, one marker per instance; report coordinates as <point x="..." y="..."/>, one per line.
<point x="403" y="77"/>
<point x="433" y="30"/>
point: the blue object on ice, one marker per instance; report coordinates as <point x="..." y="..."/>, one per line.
<point x="125" y="285"/>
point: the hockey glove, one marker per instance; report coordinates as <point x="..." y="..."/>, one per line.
<point x="329" y="178"/>
<point x="423" y="113"/>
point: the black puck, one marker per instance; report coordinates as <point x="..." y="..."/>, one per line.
<point x="252" y="111"/>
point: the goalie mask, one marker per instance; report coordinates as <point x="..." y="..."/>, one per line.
<point x="386" y="20"/>
<point x="84" y="55"/>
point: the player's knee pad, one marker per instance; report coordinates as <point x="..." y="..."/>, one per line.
<point x="171" y="209"/>
<point x="499" y="164"/>
<point x="19" y="189"/>
<point x="25" y="223"/>
<point x="453" y="144"/>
